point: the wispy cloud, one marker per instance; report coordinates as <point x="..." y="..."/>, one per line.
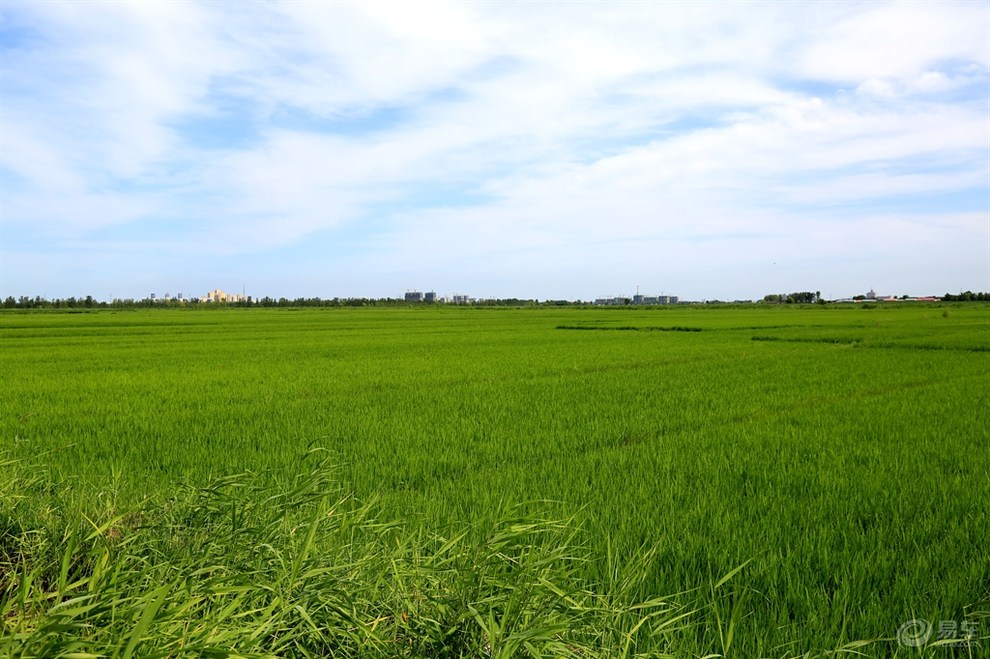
<point x="562" y="150"/>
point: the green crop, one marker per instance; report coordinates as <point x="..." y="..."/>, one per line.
<point x="839" y="454"/>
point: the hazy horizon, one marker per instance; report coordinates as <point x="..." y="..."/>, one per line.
<point x="538" y="150"/>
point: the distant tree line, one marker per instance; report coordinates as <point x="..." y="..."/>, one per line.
<point x="89" y="302"/>
<point x="38" y="302"/>
<point x="968" y="296"/>
<point x="804" y="297"/>
<point x="325" y="302"/>
<point x="382" y="302"/>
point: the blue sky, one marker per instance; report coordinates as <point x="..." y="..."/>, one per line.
<point x="547" y="150"/>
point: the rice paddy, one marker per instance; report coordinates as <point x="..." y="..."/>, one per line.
<point x="441" y="481"/>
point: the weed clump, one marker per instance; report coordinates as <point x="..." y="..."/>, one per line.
<point x="302" y="569"/>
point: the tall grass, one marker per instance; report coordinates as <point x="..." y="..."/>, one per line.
<point x="300" y="568"/>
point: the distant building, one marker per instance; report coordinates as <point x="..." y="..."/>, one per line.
<point x="460" y="298"/>
<point x="217" y="296"/>
<point x="414" y="296"/>
<point x="636" y="299"/>
<point x="430" y="296"/>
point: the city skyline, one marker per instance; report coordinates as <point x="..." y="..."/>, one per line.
<point x="559" y="151"/>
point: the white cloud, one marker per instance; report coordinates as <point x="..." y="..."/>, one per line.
<point x="899" y="40"/>
<point x="114" y="75"/>
<point x="876" y="87"/>
<point x="932" y="81"/>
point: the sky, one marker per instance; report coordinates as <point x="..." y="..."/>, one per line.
<point x="544" y="150"/>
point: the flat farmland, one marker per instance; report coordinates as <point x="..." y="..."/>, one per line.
<point x="840" y="455"/>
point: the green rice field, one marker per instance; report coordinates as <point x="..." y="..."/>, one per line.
<point x="752" y="481"/>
